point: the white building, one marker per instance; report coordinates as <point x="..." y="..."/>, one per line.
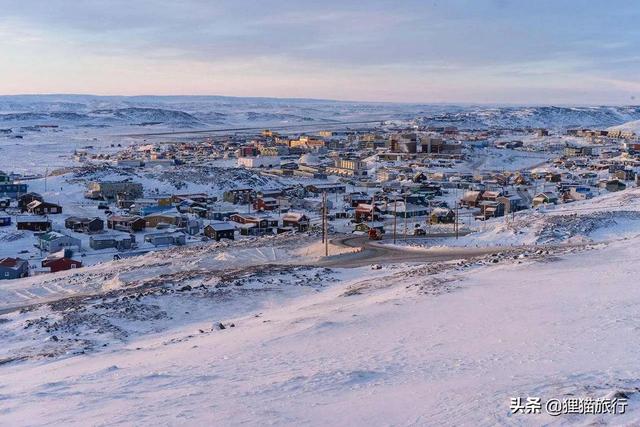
<point x="259" y="162"/>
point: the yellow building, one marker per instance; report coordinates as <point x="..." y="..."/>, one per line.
<point x="307" y="141"/>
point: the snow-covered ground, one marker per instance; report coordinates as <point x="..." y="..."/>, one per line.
<point x="608" y="217"/>
<point x="411" y="347"/>
<point x="257" y="332"/>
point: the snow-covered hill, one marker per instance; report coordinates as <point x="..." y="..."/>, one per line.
<point x="244" y="333"/>
<point x="633" y="126"/>
<point x="603" y="218"/>
<point x="446" y="344"/>
<point x="201" y="111"/>
<point x="533" y="117"/>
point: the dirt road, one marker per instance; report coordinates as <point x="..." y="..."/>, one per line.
<point x="375" y="252"/>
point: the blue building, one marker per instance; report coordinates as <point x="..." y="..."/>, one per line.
<point x="148" y="210"/>
<point x="12" y="190"/>
<point x="5" y="221"/>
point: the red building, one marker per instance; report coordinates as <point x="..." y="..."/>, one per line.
<point x="265" y="204"/>
<point x="367" y="212"/>
<point x="61" y="264"/>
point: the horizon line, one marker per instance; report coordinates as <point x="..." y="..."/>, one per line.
<point x="346" y="101"/>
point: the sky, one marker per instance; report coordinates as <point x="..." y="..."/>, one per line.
<point x="475" y="51"/>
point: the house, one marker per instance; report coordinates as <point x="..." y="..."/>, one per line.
<point x="270" y="192"/>
<point x="258" y="162"/>
<point x="189" y="206"/>
<point x="55" y="264"/>
<point x="471" y="199"/>
<point x="201" y="198"/>
<point x="252" y="229"/>
<point x="220" y="215"/>
<point x="420" y="177"/>
<point x="192" y="227"/>
<point x="625" y="175"/>
<point x="578" y="193"/>
<point x="84" y="225"/>
<point x="367" y="212"/>
<point x="553" y="177"/>
<point x="442" y="216"/>
<point x="347" y="167"/>
<point x="240" y="196"/>
<point x="148" y="210"/>
<point x="328" y="188"/>
<point x="25" y="199"/>
<point x="12" y="191"/>
<point x="13" y="268"/>
<point x="265" y="204"/>
<point x="38" y="207"/>
<point x="120" y="242"/>
<point x="298" y="221"/>
<point x="5" y="203"/>
<point x="158" y="219"/>
<point x="354" y="199"/>
<point x="544" y="198"/>
<point x="130" y="224"/>
<point x="220" y="230"/>
<point x="5" y="221"/>
<point x="615" y="185"/>
<point x="175" y="238"/>
<point x="511" y="203"/>
<point x="109" y="190"/>
<point x="54" y="241"/>
<point x="520" y="180"/>
<point x="490" y="209"/>
<point x="33" y="223"/>
<point x="575" y="151"/>
<point x="491" y="196"/>
<point x="260" y="222"/>
<point x="406" y="210"/>
<point x="254" y="225"/>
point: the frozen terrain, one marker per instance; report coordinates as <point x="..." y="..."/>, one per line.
<point x="236" y="334"/>
<point x="607" y="217"/>
<point x="266" y="331"/>
<point x="20" y="113"/>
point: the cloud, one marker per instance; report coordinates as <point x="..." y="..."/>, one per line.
<point x="468" y="49"/>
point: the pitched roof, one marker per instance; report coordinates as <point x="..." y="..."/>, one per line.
<point x="11" y="262"/>
<point x="293" y="216"/>
<point x="222" y="226"/>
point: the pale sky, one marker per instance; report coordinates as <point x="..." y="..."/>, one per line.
<point x="481" y="51"/>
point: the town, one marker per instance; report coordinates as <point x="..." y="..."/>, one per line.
<point x="389" y="180"/>
<point x="319" y="213"/>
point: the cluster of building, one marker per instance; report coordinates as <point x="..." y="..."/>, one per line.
<point x="388" y="172"/>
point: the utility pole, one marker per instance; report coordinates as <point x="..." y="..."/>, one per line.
<point x="324" y="202"/>
<point x="456" y="226"/>
<point x="429" y="217"/>
<point x="326" y="226"/>
<point x="326" y="233"/>
<point x="405" y="217"/>
<point x="395" y="218"/>
<point x="373" y="207"/>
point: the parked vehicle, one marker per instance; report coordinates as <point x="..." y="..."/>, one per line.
<point x="375" y="234"/>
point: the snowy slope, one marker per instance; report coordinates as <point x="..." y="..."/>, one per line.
<point x="451" y="351"/>
<point x="607" y="217"/>
<point x="521" y="117"/>
<point x="633" y="126"/>
<point x="203" y="111"/>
